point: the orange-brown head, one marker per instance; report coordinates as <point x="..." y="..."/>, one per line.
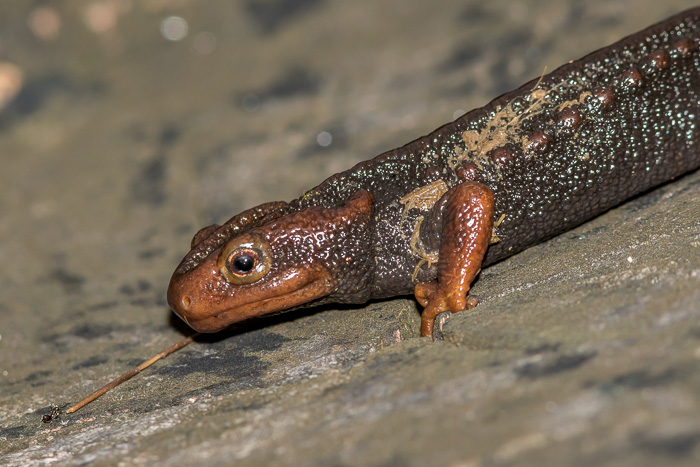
<point x="268" y="260"/>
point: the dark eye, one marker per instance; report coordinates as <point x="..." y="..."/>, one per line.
<point x="244" y="263"/>
<point x="244" y="260"/>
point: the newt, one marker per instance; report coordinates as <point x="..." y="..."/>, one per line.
<point x="426" y="217"/>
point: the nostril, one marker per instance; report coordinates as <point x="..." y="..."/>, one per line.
<point x="186" y="302"/>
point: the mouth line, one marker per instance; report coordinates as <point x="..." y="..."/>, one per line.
<point x="258" y="307"/>
<point x="294" y="293"/>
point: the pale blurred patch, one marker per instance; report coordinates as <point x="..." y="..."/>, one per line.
<point x="45" y="23"/>
<point x="102" y="16"/>
<point x="11" y="81"/>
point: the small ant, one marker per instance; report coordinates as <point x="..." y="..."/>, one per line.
<point x="55" y="414"/>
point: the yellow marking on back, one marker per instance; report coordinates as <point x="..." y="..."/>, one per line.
<point x="494" y="237"/>
<point x="418" y="250"/>
<point x="425" y="197"/>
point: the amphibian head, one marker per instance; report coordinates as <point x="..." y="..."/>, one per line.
<point x="269" y="259"/>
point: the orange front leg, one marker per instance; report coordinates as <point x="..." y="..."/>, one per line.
<point x="467" y="222"/>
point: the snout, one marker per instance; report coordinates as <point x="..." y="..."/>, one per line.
<point x="179" y="301"/>
<point x="192" y="302"/>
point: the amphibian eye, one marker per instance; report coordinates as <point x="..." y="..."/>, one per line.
<point x="244" y="259"/>
<point x="244" y="262"/>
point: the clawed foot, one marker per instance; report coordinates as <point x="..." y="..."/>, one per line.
<point x="444" y="316"/>
<point x="438" y="323"/>
<point x="437" y="311"/>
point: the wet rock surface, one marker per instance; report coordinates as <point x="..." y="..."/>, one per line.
<point x="118" y="144"/>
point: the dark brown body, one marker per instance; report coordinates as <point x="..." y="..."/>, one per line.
<point x="554" y="153"/>
<point x="647" y="133"/>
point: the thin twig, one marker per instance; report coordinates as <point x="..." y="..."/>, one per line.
<point x="130" y="374"/>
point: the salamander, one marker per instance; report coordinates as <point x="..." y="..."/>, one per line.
<point x="426" y="217"/>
